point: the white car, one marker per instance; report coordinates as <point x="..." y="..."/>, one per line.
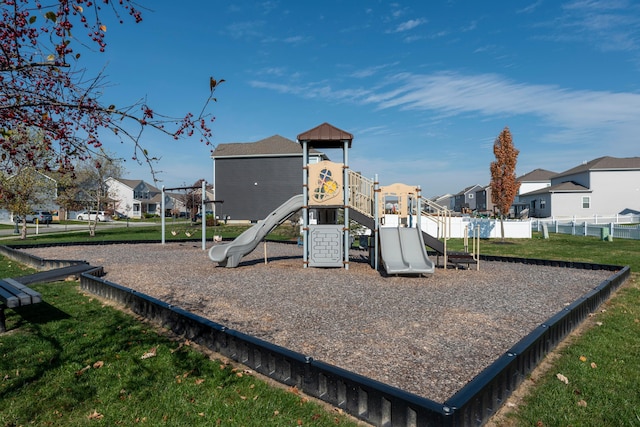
<point x="91" y="216"/>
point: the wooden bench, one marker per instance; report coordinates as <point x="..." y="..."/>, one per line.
<point x="15" y="294"/>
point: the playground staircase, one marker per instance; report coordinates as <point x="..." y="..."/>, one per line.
<point x="361" y="201"/>
<point x="442" y="217"/>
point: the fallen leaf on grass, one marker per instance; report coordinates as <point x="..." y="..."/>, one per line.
<point x="83" y="370"/>
<point x="99" y="364"/>
<point x="593" y="365"/>
<point x="150" y="353"/>
<point x="199" y="381"/>
<point x="294" y="390"/>
<point x="582" y="403"/>
<point x="583" y="359"/>
<point x="96" y="415"/>
<point x="562" y="378"/>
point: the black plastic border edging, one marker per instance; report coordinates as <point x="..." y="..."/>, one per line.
<point x="369" y="400"/>
<point x="479" y="399"/>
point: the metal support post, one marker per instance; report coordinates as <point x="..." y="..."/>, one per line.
<point x="162" y="204"/>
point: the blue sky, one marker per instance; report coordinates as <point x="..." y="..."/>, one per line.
<point x="425" y="87"/>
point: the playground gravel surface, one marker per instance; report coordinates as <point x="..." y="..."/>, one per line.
<point x="426" y="335"/>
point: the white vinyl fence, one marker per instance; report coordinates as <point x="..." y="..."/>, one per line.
<point x="487" y="228"/>
<point x="618" y="226"/>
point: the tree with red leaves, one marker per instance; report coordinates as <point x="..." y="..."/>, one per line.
<point x="504" y="185"/>
<point x="41" y="86"/>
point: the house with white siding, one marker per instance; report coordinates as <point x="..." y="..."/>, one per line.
<point x="604" y="186"/>
<point x="134" y="197"/>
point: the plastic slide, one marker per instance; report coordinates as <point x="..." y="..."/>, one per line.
<point x="229" y="254"/>
<point x="404" y="252"/>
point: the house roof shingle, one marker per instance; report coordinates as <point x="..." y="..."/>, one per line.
<point x="468" y="189"/>
<point x="133" y="183"/>
<point x="537" y="175"/>
<point x="275" y="145"/>
<point x="563" y="187"/>
<point x="604" y="163"/>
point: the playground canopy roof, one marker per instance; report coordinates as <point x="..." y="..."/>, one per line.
<point x="326" y="136"/>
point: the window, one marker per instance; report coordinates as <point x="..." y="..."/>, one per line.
<point x="586" y="202"/>
<point x="543" y="203"/>
<point x="471" y="196"/>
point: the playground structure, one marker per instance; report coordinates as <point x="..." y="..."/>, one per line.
<point x="190" y="230"/>
<point x="332" y="196"/>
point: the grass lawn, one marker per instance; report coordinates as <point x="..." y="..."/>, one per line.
<point x="74" y="361"/>
<point x="152" y="233"/>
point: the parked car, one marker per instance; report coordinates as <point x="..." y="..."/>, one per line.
<point x="91" y="216"/>
<point x="42" y="217"/>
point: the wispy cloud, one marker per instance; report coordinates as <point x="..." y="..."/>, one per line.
<point x="569" y="114"/>
<point x="370" y="71"/>
<point x="530" y="8"/>
<point x="245" y="29"/>
<point x="608" y="25"/>
<point x="490" y="95"/>
<point x="295" y="39"/>
<point x="408" y="25"/>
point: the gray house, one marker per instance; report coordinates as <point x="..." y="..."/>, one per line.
<point x="603" y="186"/>
<point x="484" y="204"/>
<point x="465" y="200"/>
<point x="254" y="178"/>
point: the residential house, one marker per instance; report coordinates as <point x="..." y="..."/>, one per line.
<point x="444" y="200"/>
<point x="254" y="178"/>
<point x="484" y="205"/>
<point x="134" y="197"/>
<point x="603" y="186"/>
<point x="535" y="180"/>
<point x="44" y="194"/>
<point x="465" y="200"/>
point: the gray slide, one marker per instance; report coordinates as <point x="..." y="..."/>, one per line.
<point x="229" y="254"/>
<point x="404" y="252"/>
